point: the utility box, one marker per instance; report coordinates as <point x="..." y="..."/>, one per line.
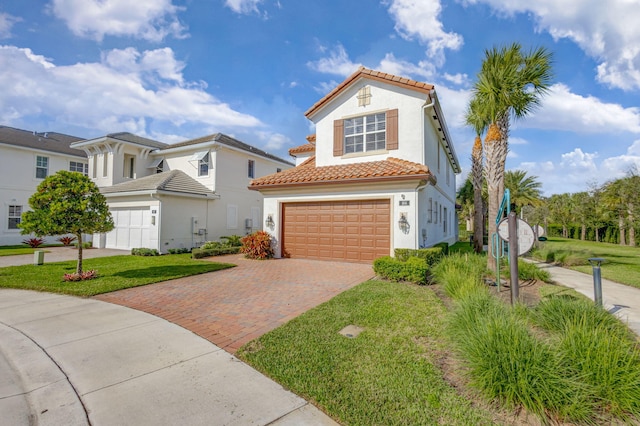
<point x="38" y="257"/>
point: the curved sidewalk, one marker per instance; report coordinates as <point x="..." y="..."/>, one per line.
<point x="73" y="361"/>
<point x="619" y="299"/>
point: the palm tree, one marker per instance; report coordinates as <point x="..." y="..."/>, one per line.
<point x="479" y="123"/>
<point x="524" y="190"/>
<point x="510" y="85"/>
<point x="614" y="197"/>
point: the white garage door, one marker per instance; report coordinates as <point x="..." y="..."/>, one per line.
<point x="131" y="228"/>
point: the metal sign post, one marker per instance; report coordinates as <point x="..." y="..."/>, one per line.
<point x="513" y="257"/>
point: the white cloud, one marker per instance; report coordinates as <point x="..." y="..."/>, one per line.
<point x="243" y="6"/>
<point x="617" y="167"/>
<point x="274" y="141"/>
<point x="151" y="20"/>
<point x="6" y="24"/>
<point x="608" y="31"/>
<point x="325" y="87"/>
<point x="420" y="19"/>
<point x="127" y="90"/>
<point x="564" y="110"/>
<point x="390" y="64"/>
<point x="337" y="63"/>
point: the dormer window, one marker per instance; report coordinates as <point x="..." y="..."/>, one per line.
<point x="157" y="164"/>
<point x="203" y="165"/>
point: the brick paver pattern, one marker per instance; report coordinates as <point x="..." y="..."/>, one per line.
<point x="234" y="306"/>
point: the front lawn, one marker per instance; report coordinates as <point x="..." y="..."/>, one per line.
<point x="622" y="263"/>
<point x="21" y="249"/>
<point x="114" y="273"/>
<point x="389" y="374"/>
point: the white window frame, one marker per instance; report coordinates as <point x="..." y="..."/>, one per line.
<point x="203" y="164"/>
<point x="157" y="164"/>
<point x="365" y="133"/>
<point x="105" y="164"/>
<point x="14" y="216"/>
<point x="42" y="163"/>
<point x="79" y="166"/>
<point x="251" y="169"/>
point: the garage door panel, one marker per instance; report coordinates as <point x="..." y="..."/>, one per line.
<point x="357" y="231"/>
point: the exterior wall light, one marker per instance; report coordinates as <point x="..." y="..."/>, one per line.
<point x="403" y="223"/>
<point x="268" y="222"/>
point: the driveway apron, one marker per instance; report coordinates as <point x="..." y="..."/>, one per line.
<point x="234" y="306"/>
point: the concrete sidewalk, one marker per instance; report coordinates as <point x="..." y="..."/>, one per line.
<point x="622" y="300"/>
<point x="73" y="361"/>
<point x="59" y="254"/>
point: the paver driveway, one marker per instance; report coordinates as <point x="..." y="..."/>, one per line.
<point x="234" y="306"/>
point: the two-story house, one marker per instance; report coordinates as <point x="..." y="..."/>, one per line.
<point x="26" y="158"/>
<point x="177" y="196"/>
<point x="379" y="174"/>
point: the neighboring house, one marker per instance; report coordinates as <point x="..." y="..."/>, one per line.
<point x="26" y="158"/>
<point x="177" y="196"/>
<point x="379" y="174"/>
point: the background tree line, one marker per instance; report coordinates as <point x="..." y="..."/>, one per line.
<point x="605" y="213"/>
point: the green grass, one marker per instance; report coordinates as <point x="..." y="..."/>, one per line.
<point x="114" y="273"/>
<point x="22" y="249"/>
<point x="388" y="375"/>
<point x="622" y="262"/>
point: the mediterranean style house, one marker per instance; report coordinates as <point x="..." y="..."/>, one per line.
<point x="26" y="158"/>
<point x="177" y="196"/>
<point x="379" y="174"/>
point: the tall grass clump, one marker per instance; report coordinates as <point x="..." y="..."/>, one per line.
<point x="460" y="274"/>
<point x="601" y="351"/>
<point x="530" y="271"/>
<point x="505" y="362"/>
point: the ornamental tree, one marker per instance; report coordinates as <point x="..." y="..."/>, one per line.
<point x="67" y="203"/>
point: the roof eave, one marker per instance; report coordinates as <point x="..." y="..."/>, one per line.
<point x="379" y="179"/>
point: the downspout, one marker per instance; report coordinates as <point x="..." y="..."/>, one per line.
<point x="424" y="109"/>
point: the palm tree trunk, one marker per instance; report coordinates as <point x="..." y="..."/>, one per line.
<point x="503" y="127"/>
<point x="476" y="170"/>
<point x="493" y="175"/>
<point x="79" y="267"/>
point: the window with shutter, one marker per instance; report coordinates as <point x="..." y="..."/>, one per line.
<point x="372" y="132"/>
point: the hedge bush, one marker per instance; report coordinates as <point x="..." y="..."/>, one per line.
<point x="199" y="253"/>
<point x="179" y="250"/>
<point x="414" y="269"/>
<point x="257" y="246"/>
<point x="144" y="252"/>
<point x="432" y="255"/>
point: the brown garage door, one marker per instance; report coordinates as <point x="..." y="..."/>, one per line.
<point x="354" y="231"/>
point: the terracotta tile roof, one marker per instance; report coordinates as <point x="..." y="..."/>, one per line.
<point x="307" y="147"/>
<point x="372" y="75"/>
<point x="308" y="174"/>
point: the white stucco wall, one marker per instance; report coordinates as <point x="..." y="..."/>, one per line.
<point x="19" y="182"/>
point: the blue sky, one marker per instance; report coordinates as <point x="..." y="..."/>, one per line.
<point x="173" y="70"/>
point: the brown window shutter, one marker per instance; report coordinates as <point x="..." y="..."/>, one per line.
<point x="392" y="129"/>
<point x="338" y="138"/>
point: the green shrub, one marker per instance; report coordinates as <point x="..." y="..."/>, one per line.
<point x="444" y="246"/>
<point x="529" y="271"/>
<point x="460" y="274"/>
<point x="144" y="252"/>
<point x="599" y="348"/>
<point x="432" y="255"/>
<point x="233" y="240"/>
<point x="507" y="363"/>
<point x="414" y="269"/>
<point x="257" y="246"/>
<point x="211" y="245"/>
<point x="199" y="253"/>
<point x="179" y="250"/>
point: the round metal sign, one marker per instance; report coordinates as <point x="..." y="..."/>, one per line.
<point x="525" y="236"/>
<point x="539" y="230"/>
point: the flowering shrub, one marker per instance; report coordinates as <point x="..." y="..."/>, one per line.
<point x="33" y="242"/>
<point x="257" y="246"/>
<point x="66" y="241"/>
<point x="86" y="275"/>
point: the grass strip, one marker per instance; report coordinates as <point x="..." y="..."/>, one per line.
<point x="114" y="273"/>
<point x="386" y="375"/>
